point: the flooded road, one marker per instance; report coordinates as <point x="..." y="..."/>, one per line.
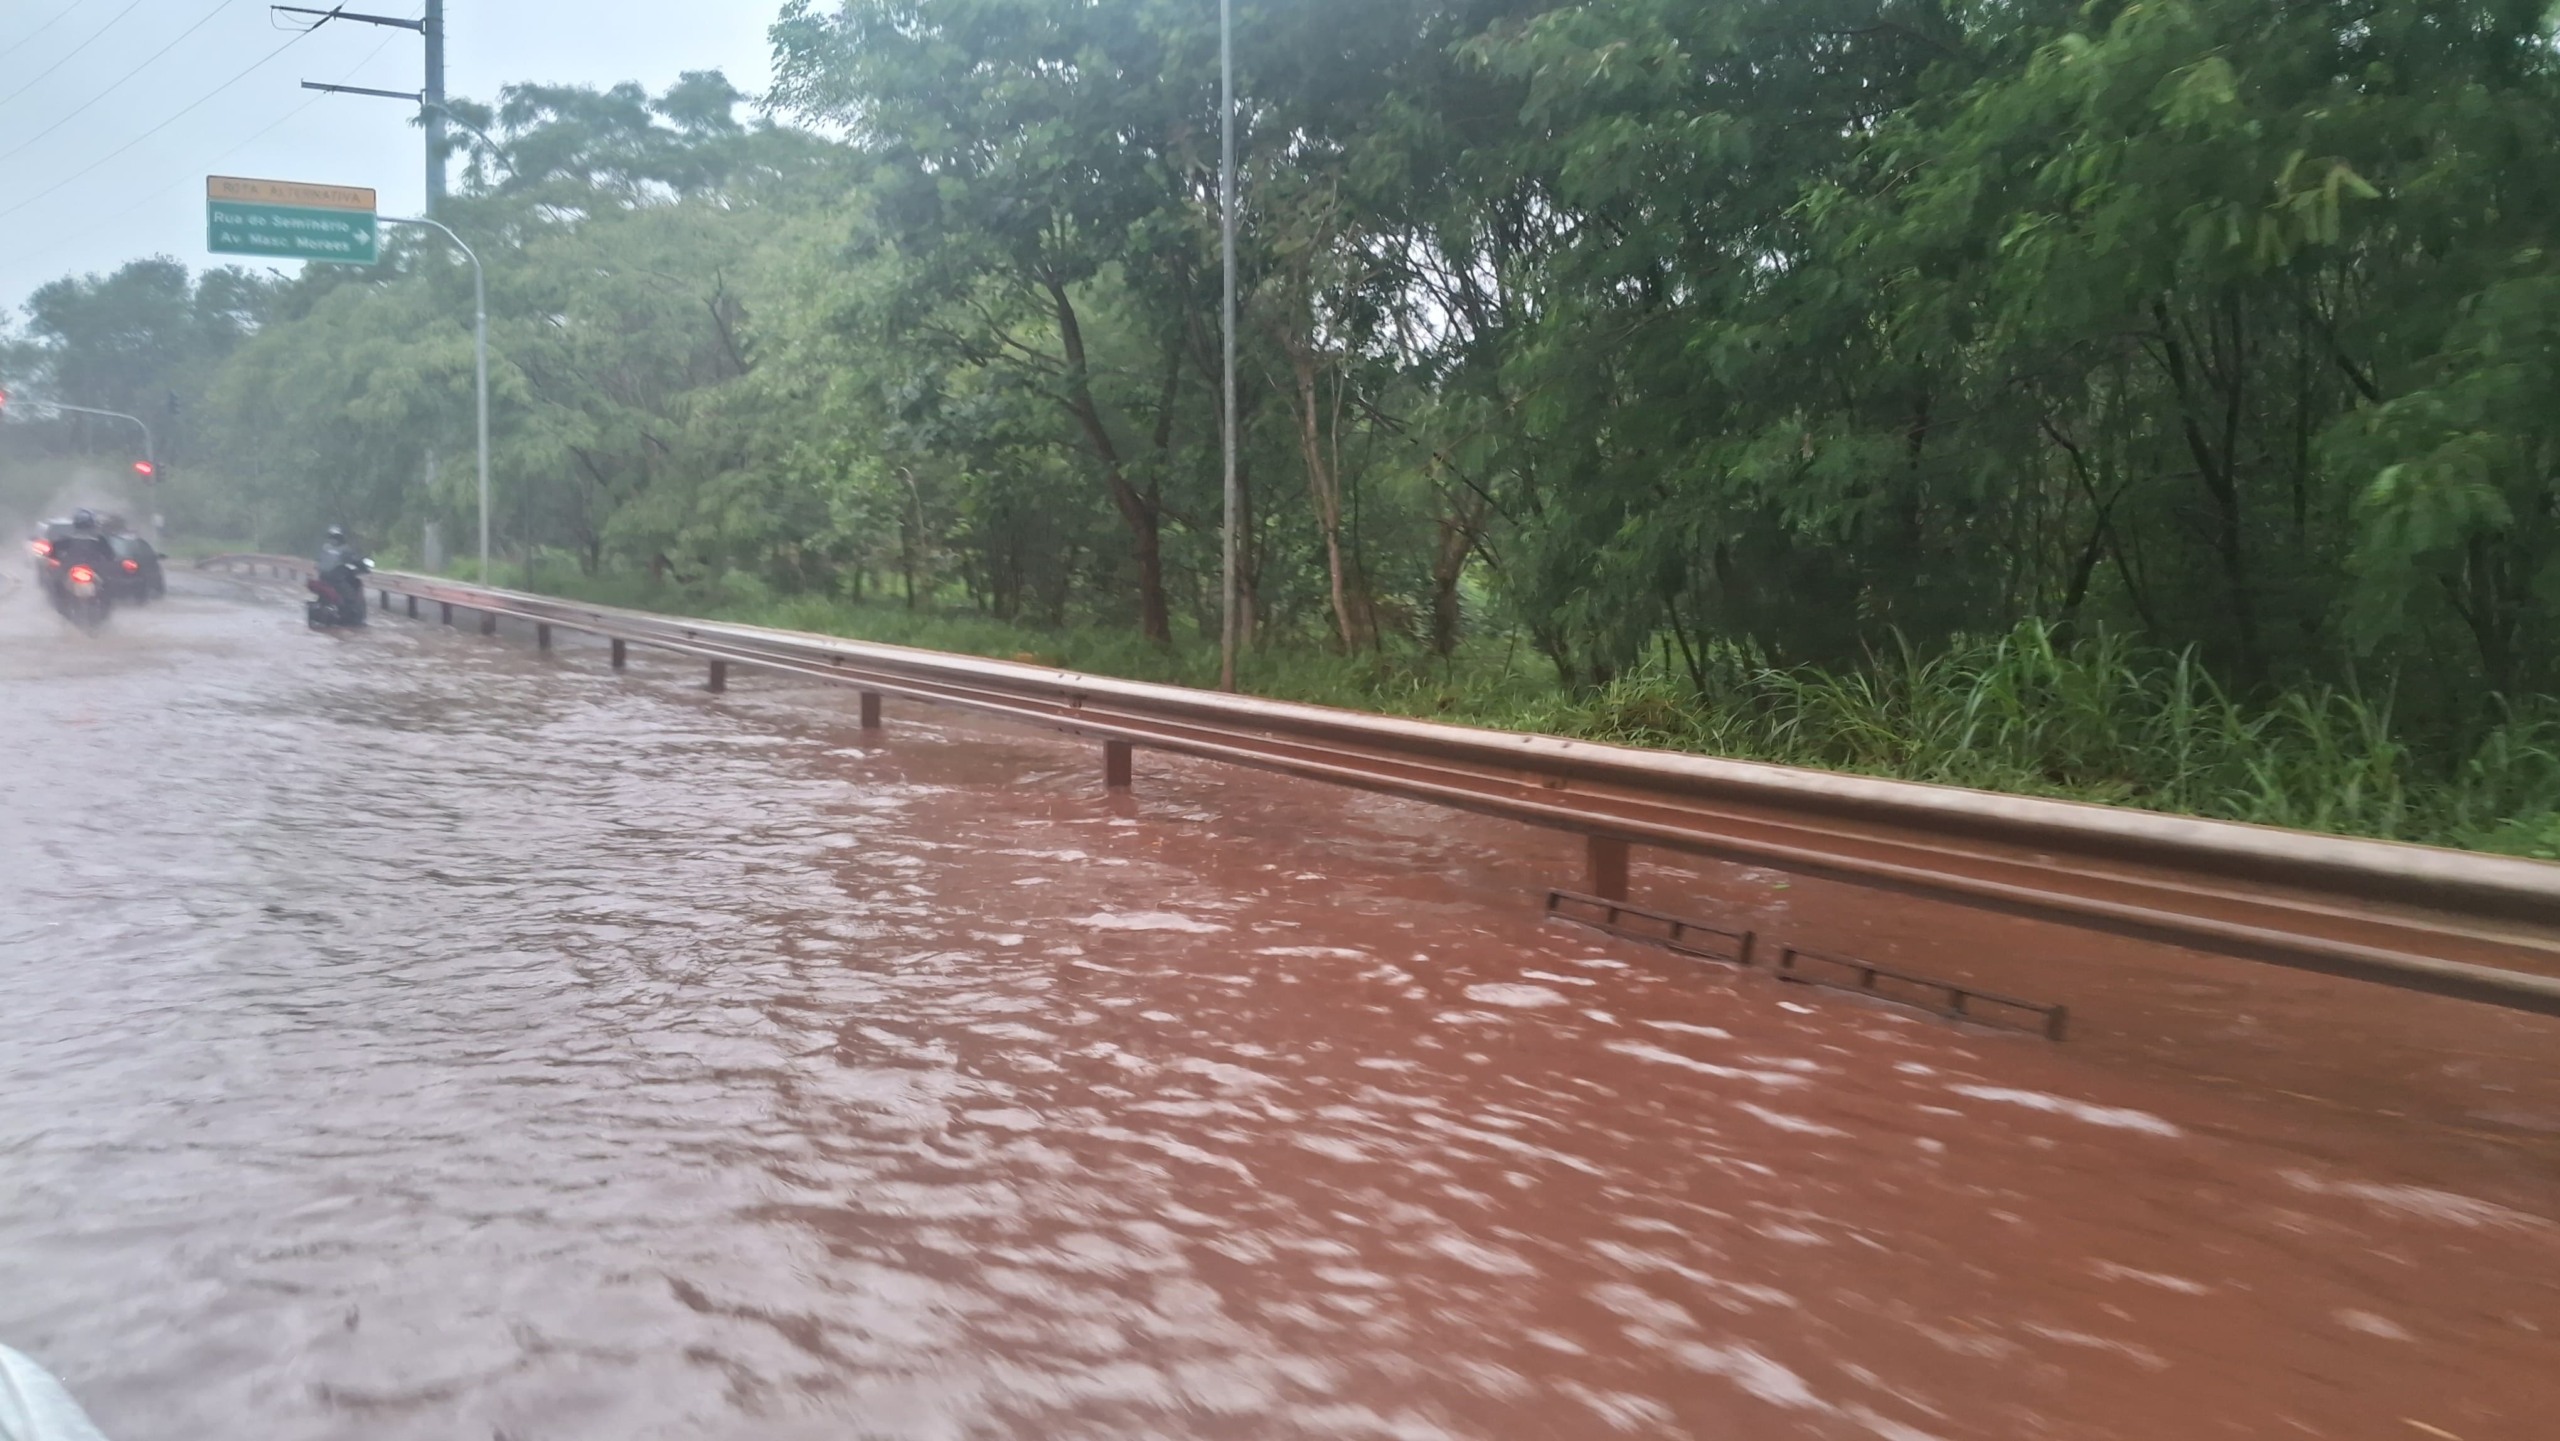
<point x="407" y="1035"/>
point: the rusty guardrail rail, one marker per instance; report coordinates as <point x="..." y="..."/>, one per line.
<point x="2422" y="918"/>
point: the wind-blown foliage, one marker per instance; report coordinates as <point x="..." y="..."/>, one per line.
<point x="1646" y="333"/>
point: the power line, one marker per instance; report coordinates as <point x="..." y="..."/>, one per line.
<point x="190" y="108"/>
<point x="22" y="41"/>
<point x="75" y="50"/>
<point x="75" y="113"/>
<point x="61" y="242"/>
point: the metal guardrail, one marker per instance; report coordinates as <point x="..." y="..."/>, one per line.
<point x="2422" y="918"/>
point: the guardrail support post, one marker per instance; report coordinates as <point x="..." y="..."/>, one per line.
<point x="871" y="710"/>
<point x="1116" y="765"/>
<point x="621" y="654"/>
<point x="542" y="636"/>
<point x="1604" y="867"/>
<point x="446" y="606"/>
<point x="488" y="622"/>
<point x="719" y="677"/>
<point x="386" y="600"/>
<point x="413" y="607"/>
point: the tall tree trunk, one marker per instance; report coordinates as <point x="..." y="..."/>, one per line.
<point x="2222" y="484"/>
<point x="1137" y="509"/>
<point x="1324" y="487"/>
<point x="1459" y="520"/>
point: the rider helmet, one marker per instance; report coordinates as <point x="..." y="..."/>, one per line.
<point x="337" y="535"/>
<point x="84" y="519"/>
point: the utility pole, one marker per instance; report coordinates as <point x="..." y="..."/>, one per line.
<point x="431" y="111"/>
<point x="1233" y="595"/>
<point x="429" y="99"/>
<point x="479" y="365"/>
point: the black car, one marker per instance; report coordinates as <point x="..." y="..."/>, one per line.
<point x="137" y="575"/>
<point x="130" y="569"/>
<point x="60" y="547"/>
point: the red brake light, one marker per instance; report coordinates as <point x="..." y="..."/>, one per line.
<point x="41" y="547"/>
<point x="81" y="574"/>
<point x="133" y="565"/>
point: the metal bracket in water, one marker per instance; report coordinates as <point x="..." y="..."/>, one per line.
<point x="1654" y="928"/>
<point x="1807" y="968"/>
<point x="1946" y="998"/>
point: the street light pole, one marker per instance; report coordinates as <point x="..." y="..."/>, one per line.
<point x="150" y="453"/>
<point x="150" y="456"/>
<point x="480" y="365"/>
<point x="1230" y="617"/>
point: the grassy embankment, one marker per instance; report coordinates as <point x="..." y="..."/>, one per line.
<point x="2101" y="721"/>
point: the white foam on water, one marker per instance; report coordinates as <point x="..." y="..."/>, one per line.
<point x="2121" y="1118"/>
<point x="1147" y="921"/>
<point x="1784" y="1122"/>
<point x="2142" y="1356"/>
<point x="2372" y="1325"/>
<point x="1753" y="1372"/>
<point x="1712" y="1033"/>
<point x="1504" y="993"/>
<point x="2420" y="1201"/>
<point x="2109" y="1270"/>
<point x="1886" y="1426"/>
<point x="1476" y="1257"/>
<point x="1643" y="1052"/>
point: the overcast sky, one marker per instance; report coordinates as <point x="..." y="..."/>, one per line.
<point x="112" y="112"/>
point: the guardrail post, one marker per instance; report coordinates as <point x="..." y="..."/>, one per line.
<point x="621" y="654"/>
<point x="1604" y="867"/>
<point x="488" y="622"/>
<point x="719" y="677"/>
<point x="542" y="636"/>
<point x="386" y="600"/>
<point x="1116" y="765"/>
<point x="413" y="607"/>
<point x="871" y="710"/>
<point x="447" y="607"/>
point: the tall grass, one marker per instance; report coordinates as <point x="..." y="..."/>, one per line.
<point x="2100" y="720"/>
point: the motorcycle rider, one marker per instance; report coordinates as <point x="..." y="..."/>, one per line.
<point x="340" y="583"/>
<point x="338" y="552"/>
<point x="85" y="544"/>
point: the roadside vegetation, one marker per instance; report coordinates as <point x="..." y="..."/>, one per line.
<point x="2027" y="712"/>
<point x="2143" y="402"/>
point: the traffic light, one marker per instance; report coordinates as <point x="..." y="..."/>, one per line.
<point x="146" y="470"/>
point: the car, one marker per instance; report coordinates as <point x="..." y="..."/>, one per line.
<point x="137" y="575"/>
<point x="135" y="572"/>
<point x="60" y="546"/>
<point x="49" y="535"/>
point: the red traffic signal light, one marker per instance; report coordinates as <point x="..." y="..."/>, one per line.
<point x="145" y="469"/>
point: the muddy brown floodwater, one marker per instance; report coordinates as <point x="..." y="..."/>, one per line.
<point x="407" y="1035"/>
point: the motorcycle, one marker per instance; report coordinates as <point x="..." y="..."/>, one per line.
<point x="337" y="595"/>
<point x="81" y="596"/>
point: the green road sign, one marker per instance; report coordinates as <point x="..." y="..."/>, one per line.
<point x="284" y="220"/>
